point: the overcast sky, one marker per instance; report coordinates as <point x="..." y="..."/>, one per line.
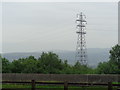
<point x="31" y="27"/>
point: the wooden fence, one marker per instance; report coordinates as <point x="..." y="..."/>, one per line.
<point x="97" y="78"/>
<point x="66" y="84"/>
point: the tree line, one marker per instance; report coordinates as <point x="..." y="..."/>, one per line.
<point x="50" y="63"/>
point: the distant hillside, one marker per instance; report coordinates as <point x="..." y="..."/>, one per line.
<point x="95" y="55"/>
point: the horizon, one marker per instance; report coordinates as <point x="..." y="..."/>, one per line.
<point x="94" y="55"/>
<point x="54" y="51"/>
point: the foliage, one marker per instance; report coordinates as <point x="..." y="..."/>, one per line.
<point x="113" y="65"/>
<point x="50" y="63"/>
<point x="115" y="58"/>
<point x="5" y="65"/>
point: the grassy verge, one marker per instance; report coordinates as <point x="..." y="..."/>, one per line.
<point x="55" y="87"/>
<point x="115" y="82"/>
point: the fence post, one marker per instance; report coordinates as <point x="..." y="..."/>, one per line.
<point x="109" y="85"/>
<point x="65" y="85"/>
<point x="33" y="84"/>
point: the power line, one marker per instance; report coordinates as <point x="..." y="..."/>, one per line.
<point x="81" y="51"/>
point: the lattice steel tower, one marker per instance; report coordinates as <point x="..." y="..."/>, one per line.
<point x="81" y="51"/>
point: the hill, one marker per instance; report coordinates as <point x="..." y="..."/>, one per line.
<point x="95" y="55"/>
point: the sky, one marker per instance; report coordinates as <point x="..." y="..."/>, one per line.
<point x="0" y="27"/>
<point x="34" y="27"/>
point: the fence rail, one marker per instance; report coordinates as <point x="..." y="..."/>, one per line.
<point x="98" y="78"/>
<point x="65" y="84"/>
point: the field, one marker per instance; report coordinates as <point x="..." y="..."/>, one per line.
<point x="12" y="86"/>
<point x="55" y="87"/>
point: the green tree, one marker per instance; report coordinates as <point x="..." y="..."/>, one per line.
<point x="80" y="69"/>
<point x="103" y="68"/>
<point x="5" y="65"/>
<point x="24" y="65"/>
<point x="50" y="63"/>
<point x="113" y="65"/>
<point x="30" y="65"/>
<point x="115" y="58"/>
<point x="17" y="65"/>
<point x="0" y="63"/>
<point x="67" y="68"/>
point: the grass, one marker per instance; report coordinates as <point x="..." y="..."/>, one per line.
<point x="55" y="87"/>
<point x="115" y="82"/>
<point x="15" y="86"/>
